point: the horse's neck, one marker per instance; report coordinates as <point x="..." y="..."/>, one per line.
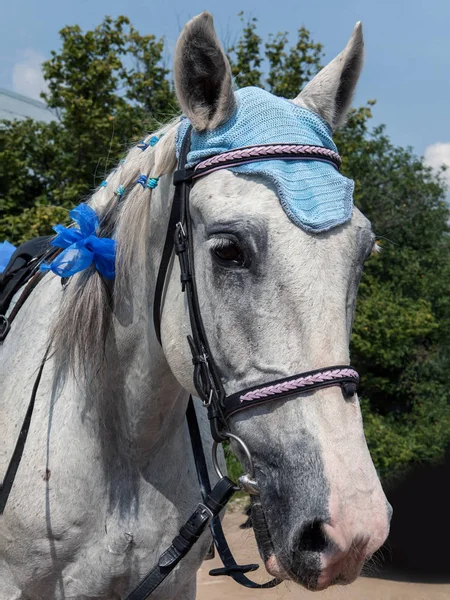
<point x="152" y="403"/>
<point x="139" y="391"/>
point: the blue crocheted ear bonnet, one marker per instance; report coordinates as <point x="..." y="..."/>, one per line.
<point x="313" y="194"/>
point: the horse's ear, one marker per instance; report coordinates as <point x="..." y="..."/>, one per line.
<point x="331" y="91"/>
<point x="203" y="80"/>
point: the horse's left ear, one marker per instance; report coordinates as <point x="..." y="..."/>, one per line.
<point x="331" y="91"/>
<point x="202" y="74"/>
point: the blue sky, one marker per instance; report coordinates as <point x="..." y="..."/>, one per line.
<point x="407" y="68"/>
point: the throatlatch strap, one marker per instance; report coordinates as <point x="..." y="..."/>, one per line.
<point x="169" y="243"/>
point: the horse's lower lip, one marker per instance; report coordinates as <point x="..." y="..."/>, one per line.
<point x="274" y="568"/>
<point x="343" y="571"/>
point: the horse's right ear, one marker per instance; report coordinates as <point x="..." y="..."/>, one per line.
<point x="203" y="79"/>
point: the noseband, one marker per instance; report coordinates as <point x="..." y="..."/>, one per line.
<point x="179" y="238"/>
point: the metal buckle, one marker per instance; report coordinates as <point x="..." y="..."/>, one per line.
<point x="207" y="403"/>
<point x="180" y="228"/>
<point x="180" y="238"/>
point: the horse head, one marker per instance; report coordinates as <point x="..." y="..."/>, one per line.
<point x="279" y="251"/>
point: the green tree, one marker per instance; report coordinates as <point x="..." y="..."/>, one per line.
<point x="107" y="87"/>
<point x="245" y="56"/>
<point x="290" y="71"/>
<point x="30" y="176"/>
<point x="402" y="325"/>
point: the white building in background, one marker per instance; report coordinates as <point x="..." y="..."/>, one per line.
<point x="15" y="106"/>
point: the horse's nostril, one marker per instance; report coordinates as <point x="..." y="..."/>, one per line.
<point x="312" y="538"/>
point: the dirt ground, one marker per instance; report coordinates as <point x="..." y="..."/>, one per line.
<point x="244" y="549"/>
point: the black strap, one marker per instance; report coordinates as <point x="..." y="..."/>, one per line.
<point x="186" y="538"/>
<point x="20" y="268"/>
<point x="231" y="567"/>
<point x="165" y="260"/>
<point x="179" y="238"/>
<point x="175" y="217"/>
<point x="14" y="463"/>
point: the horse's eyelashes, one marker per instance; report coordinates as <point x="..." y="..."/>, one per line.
<point x="228" y="252"/>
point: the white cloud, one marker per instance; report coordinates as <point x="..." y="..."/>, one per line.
<point x="27" y="75"/>
<point x="437" y="155"/>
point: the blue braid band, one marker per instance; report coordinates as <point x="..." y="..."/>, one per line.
<point x="152" y="182"/>
<point x="142" y="179"/>
<point x="120" y="191"/>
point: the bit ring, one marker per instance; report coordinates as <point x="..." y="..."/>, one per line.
<point x="247" y="481"/>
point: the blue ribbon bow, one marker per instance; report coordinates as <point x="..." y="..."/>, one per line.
<point x="82" y="247"/>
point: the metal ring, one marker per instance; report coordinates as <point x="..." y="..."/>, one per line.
<point x="247" y="481"/>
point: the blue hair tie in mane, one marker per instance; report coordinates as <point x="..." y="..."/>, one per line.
<point x="149" y="182"/>
<point x="152" y="182"/>
<point x="120" y="191"/>
<point x="152" y="142"/>
<point x="142" y="179"/>
<point x="82" y="247"/>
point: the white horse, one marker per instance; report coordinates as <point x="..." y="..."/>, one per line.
<point x="107" y="476"/>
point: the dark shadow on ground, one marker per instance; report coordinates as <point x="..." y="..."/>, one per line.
<point x="418" y="548"/>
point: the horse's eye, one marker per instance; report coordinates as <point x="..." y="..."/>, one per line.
<point x="227" y="252"/>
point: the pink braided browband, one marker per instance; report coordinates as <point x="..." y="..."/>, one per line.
<point x="265" y="152"/>
<point x="301" y="383"/>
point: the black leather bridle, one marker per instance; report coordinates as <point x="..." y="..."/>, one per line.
<point x="206" y="377"/>
<point x="207" y="381"/>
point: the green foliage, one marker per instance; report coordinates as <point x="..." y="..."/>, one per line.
<point x="34" y="222"/>
<point x="107" y="87"/>
<point x="290" y="71"/>
<point x="234" y="467"/>
<point x="29" y="175"/>
<point x="245" y="56"/>
<point x="401" y="330"/>
<point x="110" y="84"/>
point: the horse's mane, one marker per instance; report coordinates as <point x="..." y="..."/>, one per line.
<point x="79" y="333"/>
